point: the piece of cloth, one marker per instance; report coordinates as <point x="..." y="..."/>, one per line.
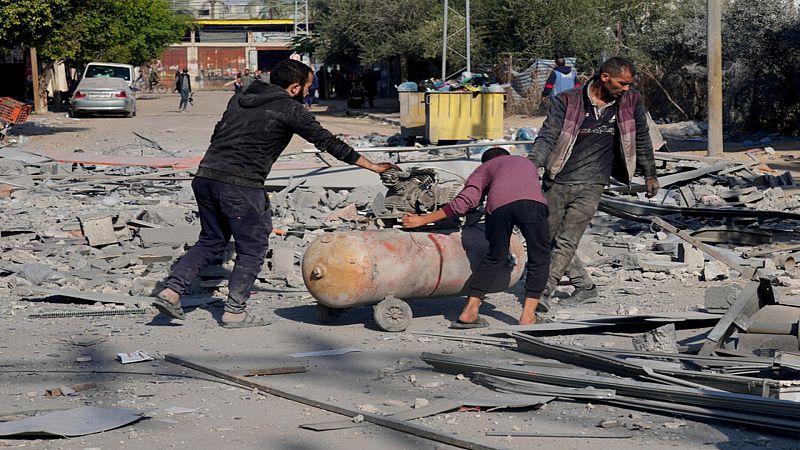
<point x="571" y="208"/>
<point x="255" y="129"/>
<point x="531" y="219"/>
<point x="501" y="180"/>
<point x="227" y="211"/>
<point x="632" y="145"/>
<point x="592" y="156"/>
<point x="561" y="78"/>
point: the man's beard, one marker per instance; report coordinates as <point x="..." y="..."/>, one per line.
<point x="299" y="96"/>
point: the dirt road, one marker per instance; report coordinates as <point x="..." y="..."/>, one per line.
<point x="385" y="375"/>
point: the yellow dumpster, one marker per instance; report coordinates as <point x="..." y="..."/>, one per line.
<point x="456" y="116"/>
<point x="412" y="114"/>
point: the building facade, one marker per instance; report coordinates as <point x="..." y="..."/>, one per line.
<point x="230" y="36"/>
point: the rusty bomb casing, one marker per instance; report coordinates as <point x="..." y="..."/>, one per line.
<point x="346" y="269"/>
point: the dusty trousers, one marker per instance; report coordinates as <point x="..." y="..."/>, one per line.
<point x="531" y="219"/>
<point x="226" y="211"/>
<point x="572" y="207"/>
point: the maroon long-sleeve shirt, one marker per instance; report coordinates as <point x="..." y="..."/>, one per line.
<point x="502" y="180"/>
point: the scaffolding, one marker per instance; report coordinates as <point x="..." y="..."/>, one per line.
<point x="301" y="18"/>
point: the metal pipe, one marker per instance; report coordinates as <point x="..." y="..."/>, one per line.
<point x="434" y="147"/>
<point x="444" y="41"/>
<point x="469" y="46"/>
<point x="347" y="269"/>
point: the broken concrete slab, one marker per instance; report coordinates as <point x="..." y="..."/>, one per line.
<point x="99" y="231"/>
<point x="691" y="256"/>
<point x="661" y="340"/>
<point x="186" y="234"/>
<point x="720" y="298"/>
<point x="716" y="270"/>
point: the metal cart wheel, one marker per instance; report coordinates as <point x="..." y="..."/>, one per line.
<point x="392" y="314"/>
<point x="328" y="315"/>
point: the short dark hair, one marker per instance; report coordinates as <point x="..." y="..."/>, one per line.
<point x="289" y="71"/>
<point x="561" y="62"/>
<point x="493" y="153"/>
<point x="617" y="65"/>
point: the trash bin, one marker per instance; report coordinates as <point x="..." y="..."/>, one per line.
<point x="412" y="114"/>
<point x="456" y="116"/>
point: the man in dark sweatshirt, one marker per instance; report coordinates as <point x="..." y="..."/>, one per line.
<point x="590" y="134"/>
<point x="510" y="185"/>
<point x="229" y="184"/>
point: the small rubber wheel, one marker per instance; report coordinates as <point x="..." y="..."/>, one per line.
<point x="328" y="315"/>
<point x="393" y="314"/>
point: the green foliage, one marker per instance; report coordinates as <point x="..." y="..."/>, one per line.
<point x="370" y="30"/>
<point x="665" y="38"/>
<point x="128" y="31"/>
<point x="27" y="23"/>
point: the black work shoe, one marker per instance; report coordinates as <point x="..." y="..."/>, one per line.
<point x="579" y="296"/>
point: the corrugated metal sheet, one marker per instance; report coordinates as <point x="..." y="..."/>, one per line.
<point x="535" y="75"/>
<point x="171" y="61"/>
<point x="219" y="65"/>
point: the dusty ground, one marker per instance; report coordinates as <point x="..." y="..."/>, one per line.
<point x="37" y="354"/>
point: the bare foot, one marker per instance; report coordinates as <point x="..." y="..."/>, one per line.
<point x="528" y="316"/>
<point x="527" y="319"/>
<point x="170" y="296"/>
<point x="233" y="317"/>
<point x="470" y="312"/>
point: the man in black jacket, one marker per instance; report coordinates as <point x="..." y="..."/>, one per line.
<point x="229" y="184"/>
<point x="590" y="134"/>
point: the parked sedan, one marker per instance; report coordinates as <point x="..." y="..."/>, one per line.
<point x="103" y="95"/>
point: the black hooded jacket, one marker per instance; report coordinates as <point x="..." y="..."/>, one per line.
<point x="254" y="131"/>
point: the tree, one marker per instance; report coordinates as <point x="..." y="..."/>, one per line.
<point x="28" y="23"/>
<point x="128" y="31"/>
<point x="369" y="31"/>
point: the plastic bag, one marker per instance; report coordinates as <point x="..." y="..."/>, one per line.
<point x="408" y="86"/>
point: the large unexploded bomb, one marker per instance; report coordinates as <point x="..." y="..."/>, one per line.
<point x="386" y="267"/>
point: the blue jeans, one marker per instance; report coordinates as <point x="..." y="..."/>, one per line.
<point x="226" y="211"/>
<point x="184" y="100"/>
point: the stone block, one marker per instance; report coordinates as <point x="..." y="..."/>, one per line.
<point x="720" y="298"/>
<point x="715" y="270"/>
<point x="98" y="230"/>
<point x="691" y="256"/>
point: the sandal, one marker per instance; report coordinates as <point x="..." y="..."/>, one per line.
<point x="247" y="322"/>
<point x="167" y="308"/>
<point x="459" y="325"/>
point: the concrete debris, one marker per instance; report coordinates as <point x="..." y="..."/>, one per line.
<point x="99" y="231"/>
<point x="661" y="340"/>
<point x="115" y="258"/>
<point x="720" y="298"/>
<point x="715" y="270"/>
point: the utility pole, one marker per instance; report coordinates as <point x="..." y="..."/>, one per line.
<point x="447" y="36"/>
<point x="444" y="41"/>
<point x="714" y="78"/>
<point x="37" y="101"/>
